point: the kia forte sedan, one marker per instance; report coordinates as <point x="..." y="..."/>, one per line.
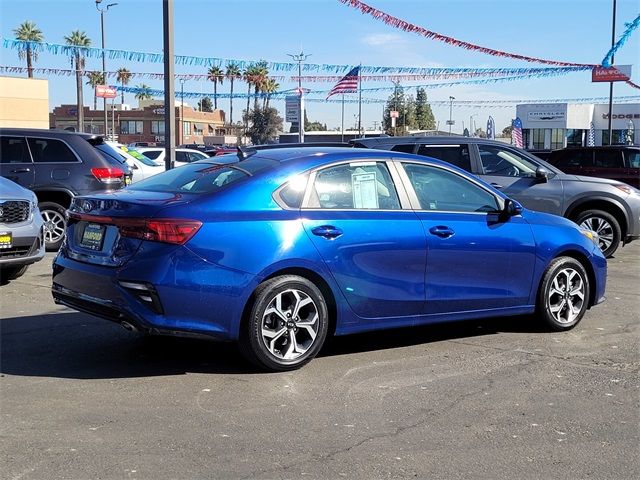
<point x="289" y="245"/>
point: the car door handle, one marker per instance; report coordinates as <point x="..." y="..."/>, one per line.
<point x="442" y="231"/>
<point x="327" y="231"/>
<point x="21" y="170"/>
<point x="497" y="185"/>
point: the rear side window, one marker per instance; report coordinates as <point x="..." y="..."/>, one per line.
<point x="457" y="155"/>
<point x="572" y="158"/>
<point x="633" y="159"/>
<point x="50" y="150"/>
<point x="152" y="154"/>
<point x="205" y="177"/>
<point x="608" y="159"/>
<point x="14" y="150"/>
<point x="403" y="148"/>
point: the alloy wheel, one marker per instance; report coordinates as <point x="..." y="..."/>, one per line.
<point x="566" y="296"/>
<point x="54" y="225"/>
<point x="602" y="228"/>
<point x="290" y="324"/>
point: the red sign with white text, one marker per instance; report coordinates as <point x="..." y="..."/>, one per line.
<point x="105" y="91"/>
<point x="619" y="73"/>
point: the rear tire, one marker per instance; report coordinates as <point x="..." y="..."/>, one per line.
<point x="12" y="272"/>
<point x="287" y="324"/>
<point x="55" y="224"/>
<point x="564" y="292"/>
<point x="606" y="226"/>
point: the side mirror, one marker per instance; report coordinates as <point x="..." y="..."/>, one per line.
<point x="542" y="174"/>
<point x="511" y="208"/>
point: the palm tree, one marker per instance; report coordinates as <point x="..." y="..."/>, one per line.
<point x="78" y="39"/>
<point x="249" y="76"/>
<point x="28" y="32"/>
<point x="261" y="76"/>
<point x="232" y="72"/>
<point x="123" y="76"/>
<point x="95" y="79"/>
<point x="143" y="92"/>
<point x="271" y="86"/>
<point x="215" y="75"/>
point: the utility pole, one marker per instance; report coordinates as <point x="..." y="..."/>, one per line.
<point x="104" y="62"/>
<point x="181" y="111"/>
<point x="613" y="42"/>
<point x="450" y="122"/>
<point x="169" y="85"/>
<point x="300" y="58"/>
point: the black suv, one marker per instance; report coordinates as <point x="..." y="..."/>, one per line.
<point x="617" y="162"/>
<point x="57" y="165"/>
<point x="609" y="208"/>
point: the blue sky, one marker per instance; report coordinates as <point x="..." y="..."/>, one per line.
<point x="569" y="30"/>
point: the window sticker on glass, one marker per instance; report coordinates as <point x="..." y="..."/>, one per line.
<point x="365" y="194"/>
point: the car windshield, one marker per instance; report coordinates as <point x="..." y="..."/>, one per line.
<point x="204" y="176"/>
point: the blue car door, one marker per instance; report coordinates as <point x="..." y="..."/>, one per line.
<point x="375" y="250"/>
<point x="477" y="259"/>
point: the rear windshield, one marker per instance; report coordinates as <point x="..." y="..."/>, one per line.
<point x="110" y="154"/>
<point x="204" y="176"/>
<point x="152" y="154"/>
<point x="141" y="157"/>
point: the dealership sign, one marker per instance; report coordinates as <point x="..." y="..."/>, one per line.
<point x="546" y="115"/>
<point x="105" y="91"/>
<point x="619" y="73"/>
<point x="291" y="108"/>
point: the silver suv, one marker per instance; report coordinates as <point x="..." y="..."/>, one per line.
<point x="608" y="207"/>
<point x="21" y="230"/>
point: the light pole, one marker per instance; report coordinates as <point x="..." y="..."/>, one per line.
<point x="301" y="57"/>
<point x="181" y="111"/>
<point x="104" y="63"/>
<point x="472" y="131"/>
<point x="450" y="122"/>
<point x="613" y="42"/>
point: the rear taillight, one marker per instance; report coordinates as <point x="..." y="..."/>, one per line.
<point x="166" y="230"/>
<point x="108" y="174"/>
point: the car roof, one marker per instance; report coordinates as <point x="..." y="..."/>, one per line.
<point x="42" y="132"/>
<point x="446" y="140"/>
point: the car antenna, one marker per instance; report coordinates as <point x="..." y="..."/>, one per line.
<point x="245" y="152"/>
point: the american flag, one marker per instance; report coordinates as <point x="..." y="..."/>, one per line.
<point x="516" y="133"/>
<point x="347" y="84"/>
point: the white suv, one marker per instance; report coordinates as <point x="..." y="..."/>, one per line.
<point x="183" y="155"/>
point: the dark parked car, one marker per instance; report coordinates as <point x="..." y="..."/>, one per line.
<point x="616" y="162"/>
<point x="290" y="245"/>
<point x="58" y="165"/>
<point x="608" y="207"/>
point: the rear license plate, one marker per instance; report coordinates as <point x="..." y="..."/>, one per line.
<point x="92" y="236"/>
<point x="6" y="240"/>
<point x="127" y="180"/>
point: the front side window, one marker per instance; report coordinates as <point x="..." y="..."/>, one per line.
<point x="442" y="190"/>
<point x="457" y="155"/>
<point x="356" y="185"/>
<point x="505" y="163"/>
<point x="608" y="159"/>
<point x="49" y="150"/>
<point x="14" y="150"/>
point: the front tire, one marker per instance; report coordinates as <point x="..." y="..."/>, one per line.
<point x="55" y="224"/>
<point x="12" y="272"/>
<point x="287" y="324"/>
<point x="606" y="226"/>
<point x="564" y="292"/>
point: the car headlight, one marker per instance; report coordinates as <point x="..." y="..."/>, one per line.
<point x="591" y="235"/>
<point x="628" y="189"/>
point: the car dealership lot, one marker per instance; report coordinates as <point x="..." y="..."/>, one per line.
<point x="82" y="398"/>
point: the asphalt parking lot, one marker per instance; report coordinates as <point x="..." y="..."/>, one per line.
<point x="82" y="398"/>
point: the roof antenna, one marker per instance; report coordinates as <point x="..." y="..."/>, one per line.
<point x="245" y="152"/>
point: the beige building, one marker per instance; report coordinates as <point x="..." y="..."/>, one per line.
<point x="24" y="102"/>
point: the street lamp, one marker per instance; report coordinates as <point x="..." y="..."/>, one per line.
<point x="104" y="65"/>
<point x="181" y="111"/>
<point x="301" y="57"/>
<point x="472" y="131"/>
<point x="450" y="122"/>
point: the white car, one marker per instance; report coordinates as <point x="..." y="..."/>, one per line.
<point x="141" y="166"/>
<point x="183" y="155"/>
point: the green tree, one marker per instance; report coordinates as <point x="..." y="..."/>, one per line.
<point x="204" y="105"/>
<point x="28" y="32"/>
<point x="95" y="79"/>
<point x="506" y="131"/>
<point x="232" y="73"/>
<point x="424" y="115"/>
<point x="266" y="124"/>
<point x="215" y="75"/>
<point x="144" y="92"/>
<point x="78" y="39"/>
<point x="270" y="87"/>
<point x="480" y="133"/>
<point x="123" y="76"/>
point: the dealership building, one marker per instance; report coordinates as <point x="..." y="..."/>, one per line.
<point x="559" y="125"/>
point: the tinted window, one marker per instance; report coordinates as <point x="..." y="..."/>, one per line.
<point x="49" y="150"/>
<point x="457" y="155"/>
<point x="572" y="158"/>
<point x="505" y="163"/>
<point x="152" y="154"/>
<point x="633" y="159"/>
<point x="182" y="157"/>
<point x="356" y="185"/>
<point x="110" y="154"/>
<point x="403" y="148"/>
<point x="203" y="177"/>
<point x="14" y="150"/>
<point x="439" y="189"/>
<point x="608" y="159"/>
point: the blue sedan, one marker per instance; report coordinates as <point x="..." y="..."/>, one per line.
<point x="289" y="245"/>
